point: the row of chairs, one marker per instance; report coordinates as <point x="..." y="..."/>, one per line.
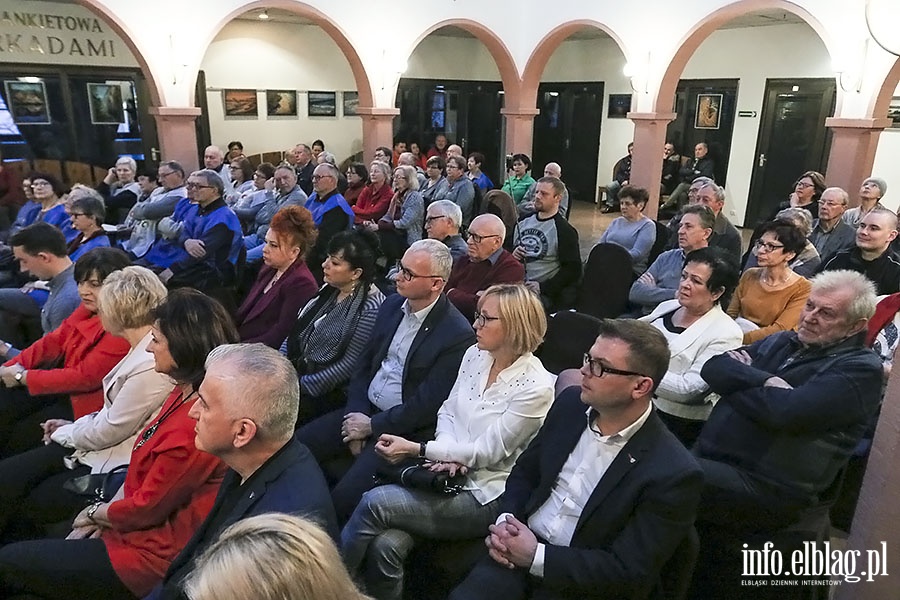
<point x="68" y="171"/>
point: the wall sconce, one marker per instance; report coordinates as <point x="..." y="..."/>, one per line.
<point x="638" y="74"/>
<point x="884" y="14"/>
<point x="849" y="66"/>
<point x="392" y="66"/>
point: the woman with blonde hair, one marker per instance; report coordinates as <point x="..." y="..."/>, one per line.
<point x="272" y="556"/>
<point x="495" y="408"/>
<point x="402" y="224"/>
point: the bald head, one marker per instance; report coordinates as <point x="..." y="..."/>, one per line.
<point x="553" y="170"/>
<point x="486" y="235"/>
<point x="454" y="150"/>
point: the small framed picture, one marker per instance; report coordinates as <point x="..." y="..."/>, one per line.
<point x="894" y="112"/>
<point x="351" y="103"/>
<point x="619" y="105"/>
<point x="240" y="103"/>
<point x="708" y="111"/>
<point x="106" y="104"/>
<point x="321" y="104"/>
<point x="27" y="102"/>
<point x="281" y="103"/>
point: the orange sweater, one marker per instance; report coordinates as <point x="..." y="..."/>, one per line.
<point x="773" y="311"/>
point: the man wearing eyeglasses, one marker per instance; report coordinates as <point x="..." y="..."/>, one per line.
<point x="403" y="376"/>
<point x="280" y="192"/>
<point x="442" y="222"/>
<point x="830" y="233"/>
<point x="486" y="263"/>
<point x="603" y="495"/>
<point x="144" y="217"/>
<point x="330" y="212"/>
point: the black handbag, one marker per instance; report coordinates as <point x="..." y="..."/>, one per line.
<point x="102" y="487"/>
<point x="415" y="475"/>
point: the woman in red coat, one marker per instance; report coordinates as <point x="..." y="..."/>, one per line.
<point x="121" y="549"/>
<point x="37" y="387"/>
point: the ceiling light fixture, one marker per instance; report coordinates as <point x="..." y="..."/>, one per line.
<point x="264" y="15"/>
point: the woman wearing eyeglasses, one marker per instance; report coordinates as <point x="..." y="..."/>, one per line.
<point x="86" y="212"/>
<point x="242" y="178"/>
<point x="49" y="191"/>
<point x="807" y="262"/>
<point x="769" y="298"/>
<point x="402" y="224"/>
<point x="495" y="408"/>
<point x="357" y="180"/>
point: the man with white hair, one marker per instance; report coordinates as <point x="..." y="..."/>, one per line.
<point x="304" y="166"/>
<point x="454" y="150"/>
<point x="442" y="222"/>
<point x="830" y="233"/>
<point x="214" y="160"/>
<point x="526" y="208"/>
<point x="245" y="413"/>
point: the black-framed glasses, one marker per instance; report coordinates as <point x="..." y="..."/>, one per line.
<point x="430" y="219"/>
<point x="318" y="177"/>
<point x="480" y="238"/>
<point x="196" y="186"/>
<point x="769" y="246"/>
<point x="76" y="214"/>
<point x="597" y="368"/>
<point x="482" y="319"/>
<point x="409" y="275"/>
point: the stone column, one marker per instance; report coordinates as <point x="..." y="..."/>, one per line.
<point x="378" y="129"/>
<point x="177" y="133"/>
<point x="852" y="153"/>
<point x="519" y="129"/>
<point x="646" y="160"/>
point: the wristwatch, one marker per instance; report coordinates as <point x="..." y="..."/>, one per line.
<point x="422" y="446"/>
<point x="18" y="376"/>
<point x="92" y="511"/>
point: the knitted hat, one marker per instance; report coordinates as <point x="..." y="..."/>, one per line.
<point x="881" y="183"/>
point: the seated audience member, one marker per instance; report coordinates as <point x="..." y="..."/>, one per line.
<point x="272" y="556"/>
<point x="245" y="414"/>
<point x="807" y="262"/>
<point x="383" y="154"/>
<point x="330" y="212"/>
<point x="460" y="189"/>
<point x="442" y="222"/>
<point x="122" y="548"/>
<point x="499" y="203"/>
<point x="830" y="233"/>
<point x="32" y="491"/>
<point x="454" y="150"/>
<point x="242" y="173"/>
<point x="671" y="166"/>
<point x="486" y="263"/>
<point x="404" y="373"/>
<point x="26" y="214"/>
<point x="518" y="182"/>
<point x="439" y="148"/>
<point x="526" y="208"/>
<point x="285" y="192"/>
<point x="407" y="159"/>
<point x="436" y="180"/>
<point x="214" y="160"/>
<point x="724" y="235"/>
<point x="697" y="329"/>
<point x="331" y="159"/>
<point x="621" y="178"/>
<point x="662" y="280"/>
<point x="41" y="252"/>
<point x="235" y="150"/>
<point x="548" y="246"/>
<point x="357" y="180"/>
<point x="603" y="495"/>
<point x="144" y="217"/>
<point x="60" y="376"/>
<point x="250" y="202"/>
<point x="334" y="327"/>
<point x="11" y="196"/>
<point x="675" y="221"/>
<point x="871" y="192"/>
<point x="86" y="213"/>
<point x="284" y="283"/>
<point x="807" y="192"/>
<point x="475" y="174"/>
<point x="401" y="226"/>
<point x="50" y="192"/>
<point x="496" y="406"/>
<point x="633" y="230"/>
<point x="702" y="165"/>
<point x="769" y="297"/>
<point x="872" y="256"/>
<point x="373" y="201"/>
<point x="318" y="147"/>
<point x="120" y="189"/>
<point x="793" y="407"/>
<point x="147" y="184"/>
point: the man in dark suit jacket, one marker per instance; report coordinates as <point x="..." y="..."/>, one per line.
<point x="602" y="497"/>
<point x="270" y="472"/>
<point x="402" y="377"/>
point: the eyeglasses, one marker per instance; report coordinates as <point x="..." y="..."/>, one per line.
<point x="196" y="186"/>
<point x="480" y="238"/>
<point x="318" y="177"/>
<point x="831" y="203"/>
<point x="409" y="275"/>
<point x="73" y="215"/>
<point x="482" y="319"/>
<point x="260" y="175"/>
<point x="234" y="168"/>
<point x="35" y="184"/>
<point x="430" y="219"/>
<point x="803" y="184"/>
<point x="768" y="246"/>
<point x="597" y="368"/>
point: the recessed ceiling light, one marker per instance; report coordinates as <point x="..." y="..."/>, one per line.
<point x="264" y="15"/>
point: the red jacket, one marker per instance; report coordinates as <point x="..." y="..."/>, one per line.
<point x="169" y="489"/>
<point x="468" y="278"/>
<point x="372" y="205"/>
<point x="87" y="352"/>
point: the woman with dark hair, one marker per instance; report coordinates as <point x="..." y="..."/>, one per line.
<point x="634" y="231"/>
<point x="50" y="192"/>
<point x="435" y="180"/>
<point x="697" y="329"/>
<point x="478" y="177"/>
<point x="60" y="376"/>
<point x="241" y="177"/>
<point x="357" y="180"/>
<point x="284" y="283"/>
<point x="334" y="327"/>
<point x="518" y="183"/>
<point x="122" y="548"/>
<point x="769" y="298"/>
<point x="807" y="191"/>
<point x="235" y="150"/>
<point x="87" y="212"/>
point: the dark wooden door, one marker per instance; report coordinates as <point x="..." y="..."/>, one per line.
<point x="567" y="131"/>
<point x="792" y="139"/>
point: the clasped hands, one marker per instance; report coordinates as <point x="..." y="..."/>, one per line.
<point x="511" y="544"/>
<point x="356" y="428"/>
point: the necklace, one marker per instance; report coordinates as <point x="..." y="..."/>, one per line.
<point x="148" y="433"/>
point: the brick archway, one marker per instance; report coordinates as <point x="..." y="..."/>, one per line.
<point x="882" y="100"/>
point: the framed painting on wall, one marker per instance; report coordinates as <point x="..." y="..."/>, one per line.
<point x="708" y="111"/>
<point x="281" y="103"/>
<point x="351" y="103"/>
<point x="321" y="104"/>
<point x="619" y="105"/>
<point x="240" y="103"/>
<point x="894" y="112"/>
<point x="27" y="102"/>
<point x="105" y="101"/>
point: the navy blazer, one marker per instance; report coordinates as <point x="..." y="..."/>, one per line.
<point x="289" y="482"/>
<point x="428" y="374"/>
<point x="635" y="518"/>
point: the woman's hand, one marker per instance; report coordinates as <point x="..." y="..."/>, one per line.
<point x="50" y="426"/>
<point x="111" y="176"/>
<point x="99" y="517"/>
<point x="394" y="448"/>
<point x="453" y="468"/>
<point x="83" y="533"/>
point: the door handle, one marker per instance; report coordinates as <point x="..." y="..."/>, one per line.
<point x="762" y="160"/>
<point x="154" y="154"/>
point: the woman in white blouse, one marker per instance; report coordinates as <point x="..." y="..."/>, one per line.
<point x="495" y="408"/>
<point x="31" y="483"/>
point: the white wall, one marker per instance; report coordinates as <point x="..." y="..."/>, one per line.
<point x="887" y="157"/>
<point x="444" y="57"/>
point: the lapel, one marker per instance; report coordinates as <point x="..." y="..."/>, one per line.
<point x="440" y="307"/>
<point x="562" y="445"/>
<point x="392" y="322"/>
<point x="695" y="331"/>
<point x="263" y="301"/>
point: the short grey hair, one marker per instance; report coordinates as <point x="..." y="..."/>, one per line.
<point x="845" y="197"/>
<point x="702" y="181"/>
<point x="718" y="190"/>
<point x="449" y="209"/>
<point x="383" y="167"/>
<point x="266" y="388"/>
<point x="127" y="160"/>
<point x="212" y="178"/>
<point x="412" y="178"/>
<point x="800" y="217"/>
<point x="862" y="291"/>
<point x="441" y="260"/>
<point x="327" y="157"/>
